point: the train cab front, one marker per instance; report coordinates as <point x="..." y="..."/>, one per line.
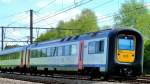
<point x="126" y="58"/>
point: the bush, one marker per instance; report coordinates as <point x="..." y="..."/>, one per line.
<point x="147" y="57"/>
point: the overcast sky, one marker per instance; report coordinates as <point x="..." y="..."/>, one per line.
<point x="16" y="13"/>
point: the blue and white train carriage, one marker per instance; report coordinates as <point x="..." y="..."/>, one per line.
<point x="108" y="52"/>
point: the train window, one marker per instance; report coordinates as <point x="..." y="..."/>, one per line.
<point x="73" y="49"/>
<point x="44" y="52"/>
<point x="32" y="54"/>
<point x="38" y="53"/>
<point x="101" y="46"/>
<point x="52" y="51"/>
<point x="96" y="47"/>
<point x="35" y="53"/>
<point x="60" y="51"/>
<point x="48" y="52"/>
<point x="67" y="50"/>
<point x="91" y="47"/>
<point x="55" y="51"/>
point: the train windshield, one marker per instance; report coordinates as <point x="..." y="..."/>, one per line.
<point x="126" y="43"/>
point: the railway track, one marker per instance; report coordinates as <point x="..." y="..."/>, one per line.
<point x="70" y="79"/>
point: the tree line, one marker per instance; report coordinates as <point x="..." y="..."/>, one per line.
<point x="83" y="23"/>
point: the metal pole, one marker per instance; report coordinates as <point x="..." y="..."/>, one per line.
<point x="31" y="26"/>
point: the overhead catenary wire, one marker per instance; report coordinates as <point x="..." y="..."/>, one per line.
<point x="100" y="5"/>
<point x="12" y="15"/>
<point x="16" y="16"/>
<point x="80" y="4"/>
<point x="129" y="12"/>
<point x="51" y="2"/>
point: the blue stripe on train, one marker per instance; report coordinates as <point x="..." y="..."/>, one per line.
<point x="73" y="65"/>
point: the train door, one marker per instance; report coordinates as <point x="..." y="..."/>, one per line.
<point x="28" y="58"/>
<point x="25" y="59"/>
<point x="81" y="51"/>
<point x="22" y="58"/>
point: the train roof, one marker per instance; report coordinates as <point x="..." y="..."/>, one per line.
<point x="102" y="33"/>
<point x="97" y="34"/>
<point x="11" y="50"/>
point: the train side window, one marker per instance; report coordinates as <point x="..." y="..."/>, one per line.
<point x="91" y="47"/>
<point x="52" y="51"/>
<point x="101" y="46"/>
<point x="60" y="51"/>
<point x="67" y="50"/>
<point x="73" y="49"/>
<point x="44" y="51"/>
<point x="96" y="47"/>
<point x="39" y="53"/>
<point x="30" y="53"/>
<point x="35" y="53"/>
<point x="48" y="52"/>
<point x="55" y="51"/>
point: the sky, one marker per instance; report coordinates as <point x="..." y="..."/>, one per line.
<point x="16" y="13"/>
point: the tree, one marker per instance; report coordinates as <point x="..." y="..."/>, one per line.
<point x="143" y="25"/>
<point x="85" y="22"/>
<point x="134" y="14"/>
<point x="129" y="13"/>
<point x="147" y="56"/>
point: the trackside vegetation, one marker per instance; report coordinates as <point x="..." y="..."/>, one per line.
<point x="147" y="57"/>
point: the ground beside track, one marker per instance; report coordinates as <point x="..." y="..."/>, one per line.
<point x="13" y="81"/>
<point x="7" y="78"/>
<point x="24" y="79"/>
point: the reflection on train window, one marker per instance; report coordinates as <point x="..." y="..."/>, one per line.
<point x="48" y="52"/>
<point x="55" y="53"/>
<point x="44" y="51"/>
<point x="73" y="49"/>
<point x="67" y="50"/>
<point x="126" y="44"/>
<point x="39" y="53"/>
<point x="33" y="53"/>
<point x="52" y="51"/>
<point x="95" y="47"/>
<point x="8" y="56"/>
<point x="60" y="51"/>
<point x="91" y="47"/>
<point x="101" y="46"/>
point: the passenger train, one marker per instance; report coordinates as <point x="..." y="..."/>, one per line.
<point x="110" y="52"/>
